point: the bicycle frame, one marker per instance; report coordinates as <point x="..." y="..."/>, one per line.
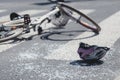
<point x="44" y="17"/>
<point x="36" y="21"/>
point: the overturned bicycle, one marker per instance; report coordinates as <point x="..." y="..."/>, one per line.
<point x="59" y="17"/>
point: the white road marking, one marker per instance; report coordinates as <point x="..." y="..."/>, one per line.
<point x="107" y="37"/>
<point x="86" y="11"/>
<point x="4" y="47"/>
<point x="2" y="10"/>
<point x="117" y="78"/>
<point x="4" y="18"/>
<point x="30" y="12"/>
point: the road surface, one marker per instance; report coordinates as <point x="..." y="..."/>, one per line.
<point x="53" y="56"/>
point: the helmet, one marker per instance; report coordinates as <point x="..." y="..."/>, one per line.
<point x="91" y="52"/>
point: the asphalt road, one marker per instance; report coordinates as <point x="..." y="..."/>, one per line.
<point x="36" y="58"/>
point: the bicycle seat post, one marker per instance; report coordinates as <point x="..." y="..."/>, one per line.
<point x="26" y="22"/>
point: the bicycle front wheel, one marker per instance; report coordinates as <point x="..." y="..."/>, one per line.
<point x="80" y="18"/>
<point x="10" y="34"/>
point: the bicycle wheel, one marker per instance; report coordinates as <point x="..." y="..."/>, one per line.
<point x="18" y="22"/>
<point x="10" y="34"/>
<point x="80" y="18"/>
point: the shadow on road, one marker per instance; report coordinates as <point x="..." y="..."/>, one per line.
<point x="86" y="63"/>
<point x="65" y="35"/>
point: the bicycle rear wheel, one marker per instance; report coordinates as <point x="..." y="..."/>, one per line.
<point x="18" y="22"/>
<point x="10" y="34"/>
<point x="80" y="18"/>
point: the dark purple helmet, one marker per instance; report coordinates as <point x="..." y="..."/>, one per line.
<point x="91" y="52"/>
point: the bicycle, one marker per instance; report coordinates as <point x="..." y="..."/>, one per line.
<point x="59" y="16"/>
<point x="14" y="27"/>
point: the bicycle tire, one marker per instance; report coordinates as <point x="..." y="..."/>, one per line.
<point x="18" y="22"/>
<point x="96" y="28"/>
<point x="14" y="34"/>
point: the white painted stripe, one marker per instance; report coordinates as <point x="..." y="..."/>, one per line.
<point x="86" y="11"/>
<point x="30" y="12"/>
<point x="4" y="18"/>
<point x="117" y="78"/>
<point x="107" y="37"/>
<point x="4" y="47"/>
<point x="2" y="10"/>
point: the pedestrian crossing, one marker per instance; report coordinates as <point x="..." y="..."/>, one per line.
<point x="107" y="37"/>
<point x="30" y="12"/>
<point x="5" y="46"/>
<point x="68" y="51"/>
<point x="2" y="10"/>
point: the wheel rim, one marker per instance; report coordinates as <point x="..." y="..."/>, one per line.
<point x="80" y="18"/>
<point x="10" y="34"/>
